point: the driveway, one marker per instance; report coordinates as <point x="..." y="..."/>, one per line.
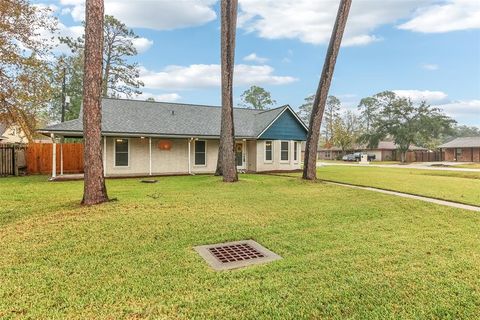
<point x="415" y="165"/>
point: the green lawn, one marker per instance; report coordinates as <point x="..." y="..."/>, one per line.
<point x="456" y="186"/>
<point x="347" y="253"/>
<point x="467" y="166"/>
<point x="352" y="162"/>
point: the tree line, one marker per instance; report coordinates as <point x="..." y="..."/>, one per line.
<point x="34" y="81"/>
<point x="98" y="67"/>
<point x="384" y="115"/>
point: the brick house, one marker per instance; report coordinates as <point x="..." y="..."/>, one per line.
<point x="385" y="151"/>
<point x="466" y="149"/>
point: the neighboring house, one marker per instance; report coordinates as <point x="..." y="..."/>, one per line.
<point x="150" y="138"/>
<point x="11" y="134"/>
<point x="385" y="151"/>
<point x="462" y="149"/>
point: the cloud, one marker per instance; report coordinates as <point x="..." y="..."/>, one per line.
<point x="453" y="15"/>
<point x="142" y="44"/>
<point x="157" y="15"/>
<point x="430" y="67"/>
<point x="165" y="97"/>
<point x="432" y="97"/>
<point x="254" y="58"/>
<point x="464" y="111"/>
<point x="312" y="21"/>
<point x="208" y="75"/>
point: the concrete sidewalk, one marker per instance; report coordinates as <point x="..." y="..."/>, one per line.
<point x="419" y="165"/>
<point x="411" y="196"/>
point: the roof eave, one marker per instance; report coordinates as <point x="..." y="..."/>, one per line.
<point x="76" y="133"/>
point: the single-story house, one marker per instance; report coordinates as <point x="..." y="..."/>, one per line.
<point x="11" y="134"/>
<point x="465" y="149"/>
<point x="154" y="138"/>
<point x="385" y="151"/>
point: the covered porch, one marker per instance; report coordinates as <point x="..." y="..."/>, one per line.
<point x="138" y="156"/>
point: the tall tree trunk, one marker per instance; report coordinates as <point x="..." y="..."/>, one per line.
<point x="310" y="162"/>
<point x="227" y="132"/>
<point x="94" y="183"/>
<point x="403" y="156"/>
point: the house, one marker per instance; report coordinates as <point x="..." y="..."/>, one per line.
<point x="385" y="151"/>
<point x="462" y="149"/>
<point x="154" y="138"/>
<point x="11" y="134"/>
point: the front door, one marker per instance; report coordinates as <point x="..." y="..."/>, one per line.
<point x="239" y="155"/>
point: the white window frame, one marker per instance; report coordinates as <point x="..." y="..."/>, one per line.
<point x="265" y="151"/>
<point x="115" y="153"/>
<point x="195" y="153"/>
<point x="296" y="145"/>
<point x="288" y="151"/>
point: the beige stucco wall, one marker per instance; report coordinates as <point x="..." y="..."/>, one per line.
<point x="251" y="155"/>
<point x="175" y="160"/>
<point x="377" y="153"/>
<point x="276" y="164"/>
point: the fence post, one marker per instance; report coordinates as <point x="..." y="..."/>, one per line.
<point x="15" y="161"/>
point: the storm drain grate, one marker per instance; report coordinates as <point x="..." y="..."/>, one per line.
<point x="236" y="254"/>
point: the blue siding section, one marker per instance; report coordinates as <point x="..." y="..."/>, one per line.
<point x="286" y="127"/>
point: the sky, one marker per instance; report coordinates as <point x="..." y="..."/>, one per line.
<point x="423" y="49"/>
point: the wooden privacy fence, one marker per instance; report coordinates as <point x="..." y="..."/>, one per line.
<point x="39" y="158"/>
<point x="7" y="160"/>
<point x="422" y="156"/>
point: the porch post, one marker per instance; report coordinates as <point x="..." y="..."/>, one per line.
<point x="104" y="156"/>
<point x="54" y="156"/>
<point x="61" y="157"/>
<point x="189" y="156"/>
<point x="150" y="155"/>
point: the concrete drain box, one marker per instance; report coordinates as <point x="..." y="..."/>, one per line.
<point x="236" y="254"/>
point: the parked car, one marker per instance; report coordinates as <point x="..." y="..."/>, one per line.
<point x="351" y="157"/>
<point x="357" y="156"/>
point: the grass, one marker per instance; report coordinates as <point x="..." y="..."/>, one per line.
<point x="355" y="162"/>
<point x="455" y="186"/>
<point x="467" y="166"/>
<point x="346" y="253"/>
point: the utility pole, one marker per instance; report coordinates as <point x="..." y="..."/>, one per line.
<point x="63" y="94"/>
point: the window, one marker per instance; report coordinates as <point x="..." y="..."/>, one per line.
<point x="200" y="153"/>
<point x="459" y="153"/>
<point x="121" y="152"/>
<point x="268" y="151"/>
<point x="295" y="151"/>
<point x="284" y="151"/>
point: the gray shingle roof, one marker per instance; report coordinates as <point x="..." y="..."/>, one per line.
<point x="162" y="118"/>
<point x="465" y="142"/>
<point x="3" y="127"/>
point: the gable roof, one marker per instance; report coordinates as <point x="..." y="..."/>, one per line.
<point x="464" y="142"/>
<point x="137" y="118"/>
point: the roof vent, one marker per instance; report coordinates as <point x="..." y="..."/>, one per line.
<point x="173" y="112"/>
